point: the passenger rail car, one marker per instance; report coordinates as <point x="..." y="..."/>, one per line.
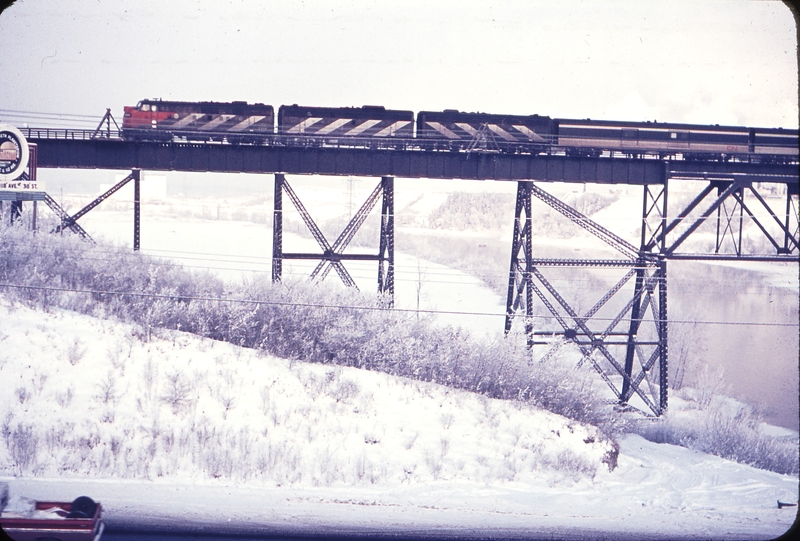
<point x="687" y="141"/>
<point x="775" y="142"/>
<point x="450" y="130"/>
<point x="234" y="122"/>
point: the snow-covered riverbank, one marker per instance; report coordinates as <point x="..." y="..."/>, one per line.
<point x="331" y="449"/>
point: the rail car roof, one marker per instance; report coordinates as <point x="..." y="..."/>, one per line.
<point x="353" y="112"/>
<point x="461" y="114"/>
<point x="664" y="125"/>
<point x="207" y="106"/>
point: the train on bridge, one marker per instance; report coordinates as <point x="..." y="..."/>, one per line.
<point x="376" y="127"/>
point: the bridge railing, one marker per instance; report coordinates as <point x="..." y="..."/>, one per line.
<point x="70" y="134"/>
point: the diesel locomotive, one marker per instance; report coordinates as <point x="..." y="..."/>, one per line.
<point x="377" y="127"/>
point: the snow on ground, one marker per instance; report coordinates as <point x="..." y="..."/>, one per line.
<point x="269" y="443"/>
<point x="235" y="249"/>
<point x="469" y="466"/>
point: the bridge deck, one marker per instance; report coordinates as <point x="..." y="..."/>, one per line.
<point x="118" y="154"/>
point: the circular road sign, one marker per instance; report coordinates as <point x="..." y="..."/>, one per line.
<point x="13" y="153"/>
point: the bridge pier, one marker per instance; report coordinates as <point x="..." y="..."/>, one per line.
<point x="632" y="361"/>
<point x="277" y="229"/>
<point x="136" y="208"/>
<point x="333" y="255"/>
<point x="520" y="286"/>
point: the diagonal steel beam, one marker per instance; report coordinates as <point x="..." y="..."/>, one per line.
<point x="587" y="316"/>
<point x="735" y="185"/>
<point x="73" y="226"/>
<point x="728" y="228"/>
<point x="758" y="222"/>
<point x="682" y="216"/>
<point x="111" y="191"/>
<point x="587" y="352"/>
<point x="319" y="237"/>
<point x="349" y="232"/>
<point x="788" y="234"/>
<point x="613" y="240"/>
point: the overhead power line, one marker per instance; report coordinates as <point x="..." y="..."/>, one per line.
<point x="353" y="307"/>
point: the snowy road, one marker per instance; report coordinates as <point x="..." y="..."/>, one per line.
<point x="657" y="492"/>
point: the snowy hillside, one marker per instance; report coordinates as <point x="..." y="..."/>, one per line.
<point x="87" y="400"/>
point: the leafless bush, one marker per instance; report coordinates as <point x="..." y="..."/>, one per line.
<point x="116" y="356"/>
<point x="344" y="391"/>
<point x="176" y="391"/>
<point x="23" y="446"/>
<point x="228" y="401"/>
<point x="569" y="463"/>
<point x="447" y="420"/>
<point x="75" y="352"/>
<point x="266" y="401"/>
<point x="728" y="431"/>
<point x="149" y="374"/>
<point x="293" y="326"/>
<point x="5" y="428"/>
<point x="434" y="463"/>
<point x="710" y="383"/>
<point x="22" y="394"/>
<point x="107" y="389"/>
<point x="64" y="398"/>
<point x="39" y="382"/>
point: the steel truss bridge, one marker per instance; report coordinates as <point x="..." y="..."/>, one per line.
<point x="623" y="335"/>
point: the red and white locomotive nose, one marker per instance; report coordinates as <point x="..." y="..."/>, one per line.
<point x="145" y="115"/>
<point x="134" y="117"/>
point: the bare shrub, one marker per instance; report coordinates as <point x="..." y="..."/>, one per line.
<point x="64" y="398"/>
<point x="23" y="446"/>
<point x="710" y="383"/>
<point x="5" y="428"/>
<point x="107" y="389"/>
<point x="573" y="465"/>
<point x="266" y="401"/>
<point x="727" y="430"/>
<point x="116" y="356"/>
<point x="75" y="352"/>
<point x="149" y="378"/>
<point x="39" y="382"/>
<point x="22" y="394"/>
<point x="228" y="401"/>
<point x="344" y="391"/>
<point x="177" y="391"/>
<point x="434" y="464"/>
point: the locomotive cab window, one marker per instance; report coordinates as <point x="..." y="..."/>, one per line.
<point x="145" y="107"/>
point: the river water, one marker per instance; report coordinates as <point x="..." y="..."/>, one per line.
<point x="760" y="357"/>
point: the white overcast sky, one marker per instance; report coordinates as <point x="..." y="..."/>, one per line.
<point x="699" y="61"/>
